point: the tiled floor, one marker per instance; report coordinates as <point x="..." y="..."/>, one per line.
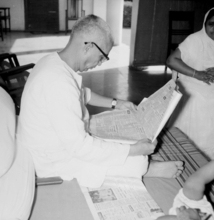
<point x="31" y="47"/>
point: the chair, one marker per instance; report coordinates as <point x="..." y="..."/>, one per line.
<point x="181" y="24"/>
<point x="13" y="76"/>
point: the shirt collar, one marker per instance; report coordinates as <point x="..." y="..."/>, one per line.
<point x="74" y="74"/>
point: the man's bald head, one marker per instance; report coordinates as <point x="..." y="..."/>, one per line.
<point x="92" y="28"/>
<point x="89" y="44"/>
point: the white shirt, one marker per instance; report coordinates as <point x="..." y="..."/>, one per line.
<point x="53" y="126"/>
<point x="181" y="200"/>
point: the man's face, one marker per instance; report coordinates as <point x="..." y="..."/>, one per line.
<point x="210" y="28"/>
<point x="95" y="56"/>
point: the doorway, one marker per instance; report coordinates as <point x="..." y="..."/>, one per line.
<point x="41" y="15"/>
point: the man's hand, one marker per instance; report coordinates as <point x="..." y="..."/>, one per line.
<point x="142" y="147"/>
<point x="121" y="104"/>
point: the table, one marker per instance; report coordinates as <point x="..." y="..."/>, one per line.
<point x="5" y="16"/>
<point x="61" y="201"/>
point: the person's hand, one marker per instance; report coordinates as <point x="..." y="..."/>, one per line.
<point x="210" y="70"/>
<point x="121" y="104"/>
<point x="205" y="76"/>
<point x="142" y="147"/>
<point x="184" y="213"/>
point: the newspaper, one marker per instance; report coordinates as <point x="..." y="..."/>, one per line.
<point x="121" y="198"/>
<point x="145" y="122"/>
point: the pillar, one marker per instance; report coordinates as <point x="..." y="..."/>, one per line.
<point x="114" y="18"/>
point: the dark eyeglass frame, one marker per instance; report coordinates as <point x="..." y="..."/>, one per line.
<point x="104" y="54"/>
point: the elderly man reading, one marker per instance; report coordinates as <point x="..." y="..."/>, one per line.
<point x="54" y="119"/>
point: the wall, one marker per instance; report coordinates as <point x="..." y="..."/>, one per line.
<point x="88" y="6"/>
<point x="17" y="13"/>
<point x="151" y="32"/>
<point x="99" y="8"/>
<point x="110" y="10"/>
<point x="134" y="21"/>
<point x="62" y="7"/>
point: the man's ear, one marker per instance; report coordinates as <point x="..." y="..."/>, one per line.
<point x="87" y="47"/>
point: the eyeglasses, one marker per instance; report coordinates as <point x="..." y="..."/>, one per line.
<point x="104" y="54"/>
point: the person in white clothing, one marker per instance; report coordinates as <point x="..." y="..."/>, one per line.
<point x="53" y="120"/>
<point x="190" y="203"/>
<point x="193" y="68"/>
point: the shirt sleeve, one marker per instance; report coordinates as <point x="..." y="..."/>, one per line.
<point x="181" y="200"/>
<point x="87" y="95"/>
<point x="190" y="49"/>
<point x="65" y="111"/>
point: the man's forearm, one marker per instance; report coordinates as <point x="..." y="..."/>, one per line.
<point x="101" y="101"/>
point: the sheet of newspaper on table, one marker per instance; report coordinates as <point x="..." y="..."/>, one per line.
<point x="147" y="122"/>
<point x="121" y="198"/>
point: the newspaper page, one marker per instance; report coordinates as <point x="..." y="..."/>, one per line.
<point x="176" y="96"/>
<point x="146" y="122"/>
<point x="121" y="198"/>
